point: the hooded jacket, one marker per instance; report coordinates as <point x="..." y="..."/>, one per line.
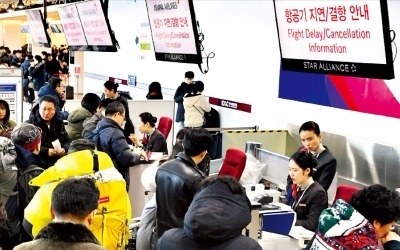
<point x="195" y="106"/>
<point x="343" y="227"/>
<point x="75" y="122"/>
<point x="214" y="220"/>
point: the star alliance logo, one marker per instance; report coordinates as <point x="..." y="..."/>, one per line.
<point x="353" y="68"/>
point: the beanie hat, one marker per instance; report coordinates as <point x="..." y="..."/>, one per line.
<point x="27" y="136"/>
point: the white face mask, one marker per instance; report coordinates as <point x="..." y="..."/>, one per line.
<point x="123" y="124"/>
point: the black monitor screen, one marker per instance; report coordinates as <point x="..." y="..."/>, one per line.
<point x="335" y="37"/>
<point x="174" y="31"/>
<point x="88" y="27"/>
<point x="71" y="24"/>
<point x="38" y="33"/>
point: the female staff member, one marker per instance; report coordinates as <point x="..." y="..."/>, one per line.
<point x="309" y="197"/>
<point x="325" y="171"/>
<point x="154" y="140"/>
<point x="110" y="91"/>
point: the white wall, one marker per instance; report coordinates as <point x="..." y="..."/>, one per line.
<point x="245" y="69"/>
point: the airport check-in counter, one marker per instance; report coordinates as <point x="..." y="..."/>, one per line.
<point x="268" y="240"/>
<point x="275" y="172"/>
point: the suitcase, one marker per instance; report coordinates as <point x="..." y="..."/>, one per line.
<point x="69" y="92"/>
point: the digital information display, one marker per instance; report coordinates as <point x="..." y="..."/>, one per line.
<point x="71" y="24"/>
<point x="94" y="23"/>
<point x="36" y="28"/>
<point x="335" y="37"/>
<point x="173" y="30"/>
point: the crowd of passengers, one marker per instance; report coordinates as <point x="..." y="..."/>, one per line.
<point x="189" y="210"/>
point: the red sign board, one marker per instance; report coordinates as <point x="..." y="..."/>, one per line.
<point x="230" y="104"/>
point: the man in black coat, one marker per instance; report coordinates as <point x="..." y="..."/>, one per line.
<point x="178" y="180"/>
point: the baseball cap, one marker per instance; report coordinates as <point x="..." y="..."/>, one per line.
<point x="26" y="135"/>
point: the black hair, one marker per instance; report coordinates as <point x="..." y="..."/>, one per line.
<point x="234" y="185"/>
<point x="114" y="107"/>
<point x="38" y="58"/>
<point x="198" y="86"/>
<point x="54" y="82"/>
<point x="44" y="53"/>
<point x="111" y="86"/>
<point x="104" y="103"/>
<point x="310" y="126"/>
<point x="155" y="87"/>
<point x="305" y="160"/>
<point x="146" y="117"/>
<point x="178" y="147"/>
<point x="196" y="141"/>
<point x="376" y="202"/>
<point x="30" y="57"/>
<point x="181" y="134"/>
<point x="7" y="108"/>
<point x="91" y="102"/>
<point x="48" y="98"/>
<point x="77" y="197"/>
<point x="189" y="74"/>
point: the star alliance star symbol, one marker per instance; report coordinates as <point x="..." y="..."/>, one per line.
<point x="353" y="68"/>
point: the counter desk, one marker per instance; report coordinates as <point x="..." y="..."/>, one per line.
<point x="276" y="241"/>
<point x="136" y="188"/>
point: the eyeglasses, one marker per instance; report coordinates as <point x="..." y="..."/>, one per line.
<point x="122" y="115"/>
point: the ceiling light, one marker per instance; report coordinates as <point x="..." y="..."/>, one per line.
<point x="20" y="4"/>
<point x="10" y="8"/>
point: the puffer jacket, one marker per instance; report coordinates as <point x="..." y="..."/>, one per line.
<point x="195" y="106"/>
<point x="110" y="138"/>
<point x="177" y="182"/>
<point x="75" y="122"/>
<point x="214" y="220"/>
<point x="38" y="73"/>
<point x="89" y="125"/>
<point x="63" y="235"/>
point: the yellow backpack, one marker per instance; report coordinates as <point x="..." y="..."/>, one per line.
<point x="110" y="224"/>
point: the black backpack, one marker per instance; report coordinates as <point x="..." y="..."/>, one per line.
<point x="26" y="191"/>
<point x="211" y="119"/>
